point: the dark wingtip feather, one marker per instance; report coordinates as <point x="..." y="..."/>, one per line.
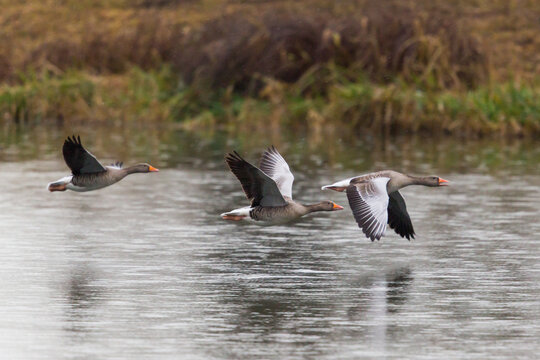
<point x="231" y="156"/>
<point x="234" y="160"/>
<point x="73" y="139"/>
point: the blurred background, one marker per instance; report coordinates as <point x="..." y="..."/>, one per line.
<point x="403" y="73"/>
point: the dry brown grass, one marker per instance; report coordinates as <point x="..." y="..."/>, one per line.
<point x="444" y="44"/>
<point x="149" y="43"/>
<point x="283" y="43"/>
<point x="99" y="36"/>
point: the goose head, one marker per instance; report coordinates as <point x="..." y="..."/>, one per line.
<point x="433" y="181"/>
<point x="142" y="168"/>
<point x="329" y="206"/>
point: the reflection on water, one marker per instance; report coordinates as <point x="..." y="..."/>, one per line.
<point x="81" y="297"/>
<point x="147" y="269"/>
<point x="170" y="148"/>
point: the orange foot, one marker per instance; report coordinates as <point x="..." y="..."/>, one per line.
<point x="233" y="217"/>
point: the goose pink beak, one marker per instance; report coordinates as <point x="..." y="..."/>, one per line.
<point x="337" y="207"/>
<point x="152" y="169"/>
<point x="443" y="182"/>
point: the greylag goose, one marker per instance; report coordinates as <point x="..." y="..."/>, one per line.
<point x="375" y="201"/>
<point x="270" y="190"/>
<point x="87" y="172"/>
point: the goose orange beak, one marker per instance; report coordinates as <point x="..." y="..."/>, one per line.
<point x="443" y="182"/>
<point x="337" y="207"/>
<point x="152" y="169"/>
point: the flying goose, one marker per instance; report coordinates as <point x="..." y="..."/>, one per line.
<point x="375" y="201"/>
<point x="87" y="172"/>
<point x="269" y="188"/>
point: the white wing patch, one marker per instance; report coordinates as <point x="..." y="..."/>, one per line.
<point x="369" y="204"/>
<point x="275" y="166"/>
<point x="338" y="185"/>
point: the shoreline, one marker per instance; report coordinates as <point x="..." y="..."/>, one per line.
<point x="151" y="97"/>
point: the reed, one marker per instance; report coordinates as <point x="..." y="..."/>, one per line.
<point x="145" y="97"/>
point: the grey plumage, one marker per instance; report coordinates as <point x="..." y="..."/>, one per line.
<point x="268" y="203"/>
<point x="373" y="206"/>
<point x="87" y="172"/>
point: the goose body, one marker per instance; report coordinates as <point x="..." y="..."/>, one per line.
<point x="88" y="173"/>
<point x="375" y="201"/>
<point x="269" y="188"/>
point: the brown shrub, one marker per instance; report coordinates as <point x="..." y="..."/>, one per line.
<point x="233" y="50"/>
<point x="383" y="41"/>
<point x="5" y="67"/>
<point x="159" y="3"/>
<point x="147" y="44"/>
<point x="379" y="39"/>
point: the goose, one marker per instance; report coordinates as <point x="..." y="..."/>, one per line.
<point x="375" y="201"/>
<point x="269" y="188"/>
<point x="87" y="172"/>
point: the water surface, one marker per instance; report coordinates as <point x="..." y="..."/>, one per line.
<point x="147" y="269"/>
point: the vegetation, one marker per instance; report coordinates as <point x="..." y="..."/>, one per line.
<point x="468" y="68"/>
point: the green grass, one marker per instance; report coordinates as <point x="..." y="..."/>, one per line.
<point x="77" y="96"/>
<point x="158" y="96"/>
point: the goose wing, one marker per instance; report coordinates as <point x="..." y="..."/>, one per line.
<point x="275" y="166"/>
<point x="79" y="160"/>
<point x="259" y="188"/>
<point x="369" y="203"/>
<point x="398" y="217"/>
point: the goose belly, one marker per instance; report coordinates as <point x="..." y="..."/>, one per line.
<point x="77" y="188"/>
<point x="263" y="215"/>
<point x="273" y="215"/>
<point x="90" y="182"/>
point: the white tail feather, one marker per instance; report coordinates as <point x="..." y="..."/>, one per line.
<point x="238" y="212"/>
<point x="63" y="181"/>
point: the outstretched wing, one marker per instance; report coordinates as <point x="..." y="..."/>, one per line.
<point x="398" y="217"/>
<point x="275" y="166"/>
<point x="259" y="188"/>
<point x="79" y="160"/>
<point x="369" y="204"/>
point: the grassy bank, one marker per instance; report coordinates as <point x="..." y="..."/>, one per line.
<point x="468" y="68"/>
<point x="363" y="106"/>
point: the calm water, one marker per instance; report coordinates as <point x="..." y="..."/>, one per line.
<point x="146" y="269"/>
